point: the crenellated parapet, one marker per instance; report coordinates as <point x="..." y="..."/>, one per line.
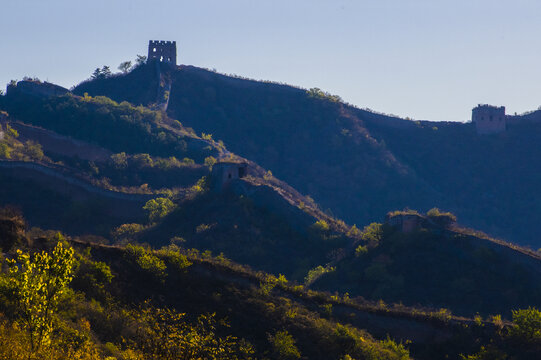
<point x="162" y="51"/>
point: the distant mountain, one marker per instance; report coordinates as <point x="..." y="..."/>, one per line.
<point x="356" y="163"/>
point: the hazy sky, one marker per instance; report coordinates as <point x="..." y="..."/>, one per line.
<point x="427" y="59"/>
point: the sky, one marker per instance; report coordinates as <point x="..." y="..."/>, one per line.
<point x="423" y="59"/>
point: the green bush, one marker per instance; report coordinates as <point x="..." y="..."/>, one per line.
<point x="361" y="250"/>
<point x="317" y="272"/>
<point x="372" y="233"/>
<point x="441" y="218"/>
<point x="283" y="345"/>
<point x="33" y="150"/>
<point x="5" y="151"/>
<point x="146" y="261"/>
<point x="526" y="325"/>
<point x="127" y="231"/>
<point x="158" y="208"/>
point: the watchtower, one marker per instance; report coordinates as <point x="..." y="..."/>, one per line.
<point x="489" y="119"/>
<point x="163" y="51"/>
<point x="225" y="172"/>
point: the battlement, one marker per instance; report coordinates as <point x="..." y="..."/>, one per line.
<point x="162" y="51"/>
<point x="489" y="119"/>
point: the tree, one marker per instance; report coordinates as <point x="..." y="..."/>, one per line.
<point x="38" y="281"/>
<point x="283" y="345"/>
<point x="158" y="208"/>
<point x="142" y="161"/>
<point x="210" y="161"/>
<point x="166" y="334"/>
<point x="140" y="60"/>
<point x="120" y="160"/>
<point x="106" y="71"/>
<point x="96" y="74"/>
<point x="33" y="150"/>
<point x="5" y="151"/>
<point x="527" y="325"/>
<point x="125" y="66"/>
<point x="102" y="73"/>
<point x="372" y="233"/>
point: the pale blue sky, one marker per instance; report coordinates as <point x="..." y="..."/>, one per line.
<point x="427" y="59"/>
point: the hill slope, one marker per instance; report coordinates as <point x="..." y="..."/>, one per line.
<point x="259" y="220"/>
<point x="438" y="267"/>
<point x="126" y="301"/>
<point x="356" y="163"/>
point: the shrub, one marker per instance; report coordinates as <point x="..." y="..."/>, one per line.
<point x="441" y="218"/>
<point x="175" y="258"/>
<point x="210" y="161"/>
<point x="317" y="93"/>
<point x="372" y="233"/>
<point x="119" y="161"/>
<point x="316" y="273"/>
<point x="12" y="132"/>
<point x="397" y="348"/>
<point x="92" y="275"/>
<point x="142" y="160"/>
<point x="361" y="250"/>
<point x="165" y="334"/>
<point x="354" y="231"/>
<point x="5" y="151"/>
<point x="33" y="150"/>
<point x="158" y="208"/>
<point x="321" y="227"/>
<point x="283" y="345"/>
<point x="126" y="231"/>
<point x="526" y="324"/>
<point x="147" y="261"/>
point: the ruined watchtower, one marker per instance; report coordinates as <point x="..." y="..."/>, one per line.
<point x="406" y="221"/>
<point x="225" y="172"/>
<point x="163" y="51"/>
<point x="489" y="119"/>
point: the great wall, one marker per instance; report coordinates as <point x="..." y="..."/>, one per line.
<point x="59" y="173"/>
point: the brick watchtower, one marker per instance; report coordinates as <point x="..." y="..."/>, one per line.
<point x="163" y="51"/>
<point x="489" y="119"/>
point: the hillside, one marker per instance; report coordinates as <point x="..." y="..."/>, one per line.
<point x="356" y="163"/>
<point x="492" y="180"/>
<point x="117" y="187"/>
<point x="131" y="302"/>
<point x="254" y="225"/>
<point x="309" y="140"/>
<point x="121" y="301"/>
<point x="182" y="234"/>
<point x="437" y="266"/>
